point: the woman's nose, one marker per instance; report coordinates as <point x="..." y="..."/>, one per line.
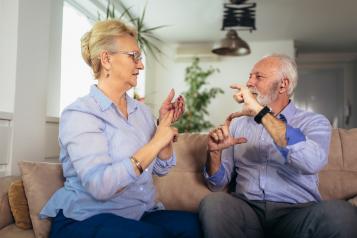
<point x="140" y="65"/>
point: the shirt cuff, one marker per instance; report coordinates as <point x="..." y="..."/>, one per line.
<point x="130" y="168"/>
<point x="167" y="163"/>
<point x="294" y="135"/>
<point x="216" y="178"/>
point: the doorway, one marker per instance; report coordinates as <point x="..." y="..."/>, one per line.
<point x="321" y="90"/>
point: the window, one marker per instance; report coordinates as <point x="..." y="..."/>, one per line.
<point x="76" y="75"/>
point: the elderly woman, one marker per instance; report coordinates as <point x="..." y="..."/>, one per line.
<point x="110" y="147"/>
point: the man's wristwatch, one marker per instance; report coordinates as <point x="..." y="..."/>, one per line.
<point x="261" y="114"/>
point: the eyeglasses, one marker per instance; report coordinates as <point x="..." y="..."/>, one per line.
<point x="135" y="56"/>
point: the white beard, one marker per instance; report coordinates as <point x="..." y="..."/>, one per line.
<point x="265" y="100"/>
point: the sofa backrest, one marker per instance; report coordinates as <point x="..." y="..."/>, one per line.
<point x="183" y="187"/>
<point x="338" y="180"/>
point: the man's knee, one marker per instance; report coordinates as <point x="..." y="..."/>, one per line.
<point x="212" y="212"/>
<point x="211" y="203"/>
<point x="338" y="217"/>
<point x="336" y="210"/>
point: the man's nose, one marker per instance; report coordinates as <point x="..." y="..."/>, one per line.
<point x="251" y="81"/>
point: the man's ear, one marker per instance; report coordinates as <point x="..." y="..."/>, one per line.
<point x="105" y="59"/>
<point x="284" y="85"/>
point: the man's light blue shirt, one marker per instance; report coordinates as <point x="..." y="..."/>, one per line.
<point x="268" y="172"/>
<point x="96" y="143"/>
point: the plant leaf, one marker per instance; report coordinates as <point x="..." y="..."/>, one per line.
<point x="155" y="28"/>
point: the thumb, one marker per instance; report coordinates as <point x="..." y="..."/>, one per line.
<point x="166" y="121"/>
<point x="232" y="116"/>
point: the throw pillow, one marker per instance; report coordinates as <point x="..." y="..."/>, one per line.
<point x="18" y="205"/>
<point x="6" y="217"/>
<point x="40" y="181"/>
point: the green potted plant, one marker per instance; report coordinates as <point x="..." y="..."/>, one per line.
<point x="197" y="98"/>
<point x="145" y="35"/>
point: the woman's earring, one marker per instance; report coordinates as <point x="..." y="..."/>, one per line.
<point x="107" y="73"/>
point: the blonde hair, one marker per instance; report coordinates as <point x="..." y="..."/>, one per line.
<point x="102" y="37"/>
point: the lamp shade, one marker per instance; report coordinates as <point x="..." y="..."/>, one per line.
<point x="232" y="45"/>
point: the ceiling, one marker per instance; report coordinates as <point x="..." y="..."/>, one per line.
<point x="315" y="25"/>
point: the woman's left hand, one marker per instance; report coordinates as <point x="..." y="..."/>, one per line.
<point x="178" y="106"/>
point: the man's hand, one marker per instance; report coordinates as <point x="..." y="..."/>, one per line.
<point x="251" y="106"/>
<point x="178" y="106"/>
<point x="219" y="138"/>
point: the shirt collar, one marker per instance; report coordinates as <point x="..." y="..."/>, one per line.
<point x="131" y="103"/>
<point x="104" y="102"/>
<point x="288" y="112"/>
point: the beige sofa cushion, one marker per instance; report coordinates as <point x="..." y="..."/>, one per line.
<point x="183" y="187"/>
<point x="338" y="180"/>
<point x="40" y="181"/>
<point x="12" y="231"/>
<point x="19" y="206"/>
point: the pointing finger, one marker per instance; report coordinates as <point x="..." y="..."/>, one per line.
<point x="170" y="96"/>
<point x="236" y="86"/>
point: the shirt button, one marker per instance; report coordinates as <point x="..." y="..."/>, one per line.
<point x="146" y="170"/>
<point x="141" y="188"/>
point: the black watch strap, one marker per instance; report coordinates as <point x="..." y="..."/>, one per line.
<point x="261" y="114"/>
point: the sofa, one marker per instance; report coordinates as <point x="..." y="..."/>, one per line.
<point x="182" y="189"/>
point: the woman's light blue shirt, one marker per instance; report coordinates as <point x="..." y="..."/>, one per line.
<point x="96" y="142"/>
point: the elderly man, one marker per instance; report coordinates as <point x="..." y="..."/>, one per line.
<point x="275" y="150"/>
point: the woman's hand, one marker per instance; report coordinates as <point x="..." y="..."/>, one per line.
<point x="164" y="132"/>
<point x="178" y="107"/>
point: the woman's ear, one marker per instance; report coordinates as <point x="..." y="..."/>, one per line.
<point x="105" y="59"/>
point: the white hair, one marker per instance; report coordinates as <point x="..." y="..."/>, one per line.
<point x="287" y="70"/>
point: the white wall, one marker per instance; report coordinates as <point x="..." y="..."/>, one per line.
<point x="30" y="44"/>
<point x="170" y="74"/>
<point x="8" y="48"/>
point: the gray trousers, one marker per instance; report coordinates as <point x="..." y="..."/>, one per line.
<point x="223" y="215"/>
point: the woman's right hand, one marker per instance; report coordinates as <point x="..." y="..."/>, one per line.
<point x="164" y="132"/>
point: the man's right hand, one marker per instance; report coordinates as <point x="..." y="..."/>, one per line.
<point x="220" y="138"/>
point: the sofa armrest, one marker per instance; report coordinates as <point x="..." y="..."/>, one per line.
<point x="6" y="217"/>
<point x="353" y="201"/>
